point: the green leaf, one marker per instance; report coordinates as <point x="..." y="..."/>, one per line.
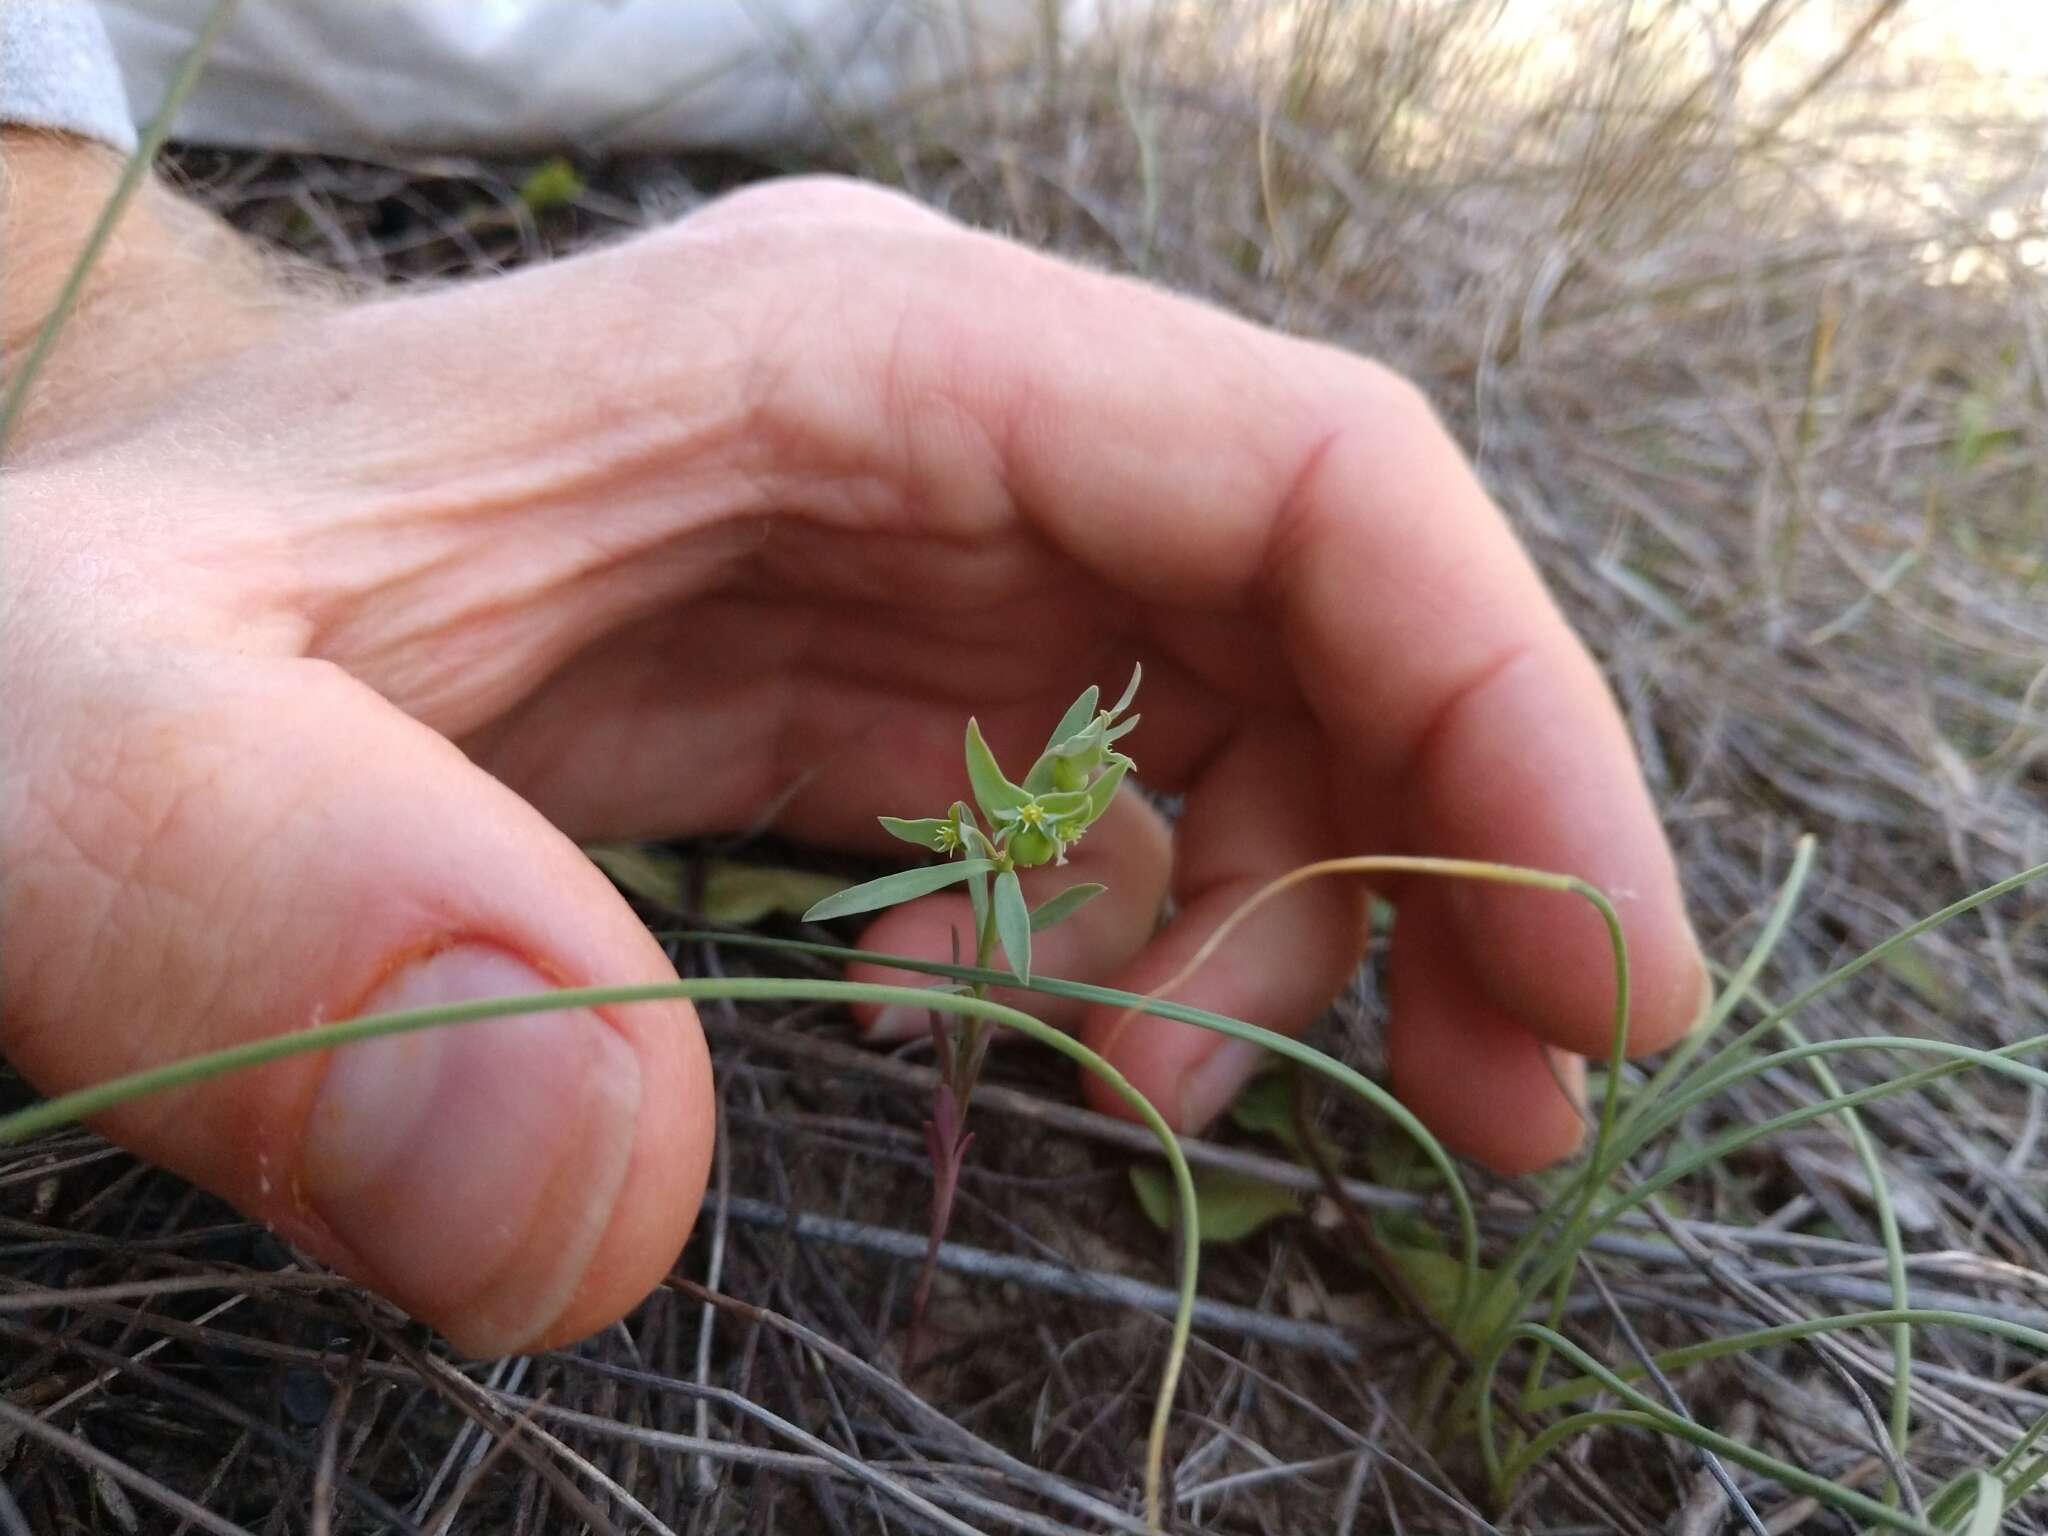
<point x="1103" y="790"/>
<point x="1266" y="1107"/>
<point x="652" y="874"/>
<point x="1013" y="923"/>
<point x="1130" y="690"/>
<point x="928" y="832"/>
<point x="740" y="894"/>
<point x="1078" y="714"/>
<point x="1229" y="1207"/>
<point x="1042" y="777"/>
<point x="1061" y="803"/>
<point x="904" y="885"/>
<point x="991" y="790"/>
<point x="1435" y="1276"/>
<point x="977" y="893"/>
<point x="1065" y="905"/>
<point x="553" y="183"/>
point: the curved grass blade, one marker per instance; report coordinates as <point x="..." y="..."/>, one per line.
<point x="1959" y="1058"/>
<point x="87" y="1102"/>
<point x="1653" y="1415"/>
<point x="1562" y="1393"/>
<point x="1280" y="1045"/>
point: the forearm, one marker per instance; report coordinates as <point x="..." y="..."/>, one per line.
<point x="173" y="291"/>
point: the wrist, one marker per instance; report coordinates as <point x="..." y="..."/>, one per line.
<point x="172" y="289"/>
<point x="52" y="188"/>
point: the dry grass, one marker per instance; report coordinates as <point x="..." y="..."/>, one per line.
<point x="1740" y="309"/>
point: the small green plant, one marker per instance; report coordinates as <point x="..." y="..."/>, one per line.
<point x="1029" y="823"/>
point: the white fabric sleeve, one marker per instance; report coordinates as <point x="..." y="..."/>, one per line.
<point x="379" y="77"/>
<point x="57" y="71"/>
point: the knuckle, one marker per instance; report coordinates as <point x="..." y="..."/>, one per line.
<point x="1394" y="398"/>
<point x="788" y="201"/>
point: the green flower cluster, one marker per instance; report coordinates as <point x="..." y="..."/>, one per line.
<point x="1021" y="826"/>
<point x="1063" y="795"/>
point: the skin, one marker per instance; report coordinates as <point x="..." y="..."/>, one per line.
<point x="329" y="627"/>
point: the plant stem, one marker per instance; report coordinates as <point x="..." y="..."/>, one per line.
<point x="947" y="1135"/>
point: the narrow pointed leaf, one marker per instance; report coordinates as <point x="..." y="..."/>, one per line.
<point x="904" y="885"/>
<point x="977" y="893"/>
<point x="1103" y="790"/>
<point x="1130" y="690"/>
<point x="993" y="791"/>
<point x="1078" y="714"/>
<point x="928" y="832"/>
<point x="1013" y="923"/>
<point x="1065" y="905"/>
<point x="1039" y="779"/>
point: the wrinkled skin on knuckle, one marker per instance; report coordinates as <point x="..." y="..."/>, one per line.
<point x="868" y="399"/>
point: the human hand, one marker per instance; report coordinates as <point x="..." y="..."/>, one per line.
<point x="728" y="525"/>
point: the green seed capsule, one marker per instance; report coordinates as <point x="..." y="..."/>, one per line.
<point x="1069" y="773"/>
<point x="1031" y="848"/>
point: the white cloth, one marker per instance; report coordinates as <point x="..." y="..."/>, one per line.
<point x="369" y="76"/>
<point x="56" y="71"/>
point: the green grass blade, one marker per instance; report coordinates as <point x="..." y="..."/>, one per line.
<point x="1868" y="958"/>
<point x="1656" y="1415"/>
<point x="1281" y="1045"/>
<point x="1730" y="996"/>
<point x="1562" y="1393"/>
<point x="1959" y="1058"/>
<point x="71" y="1107"/>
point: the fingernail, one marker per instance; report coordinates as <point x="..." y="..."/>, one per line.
<point x="1210" y="1086"/>
<point x="895" y="1024"/>
<point x="1569" y="1071"/>
<point x="471" y="1168"/>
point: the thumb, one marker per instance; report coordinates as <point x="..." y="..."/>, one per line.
<point x="203" y="854"/>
